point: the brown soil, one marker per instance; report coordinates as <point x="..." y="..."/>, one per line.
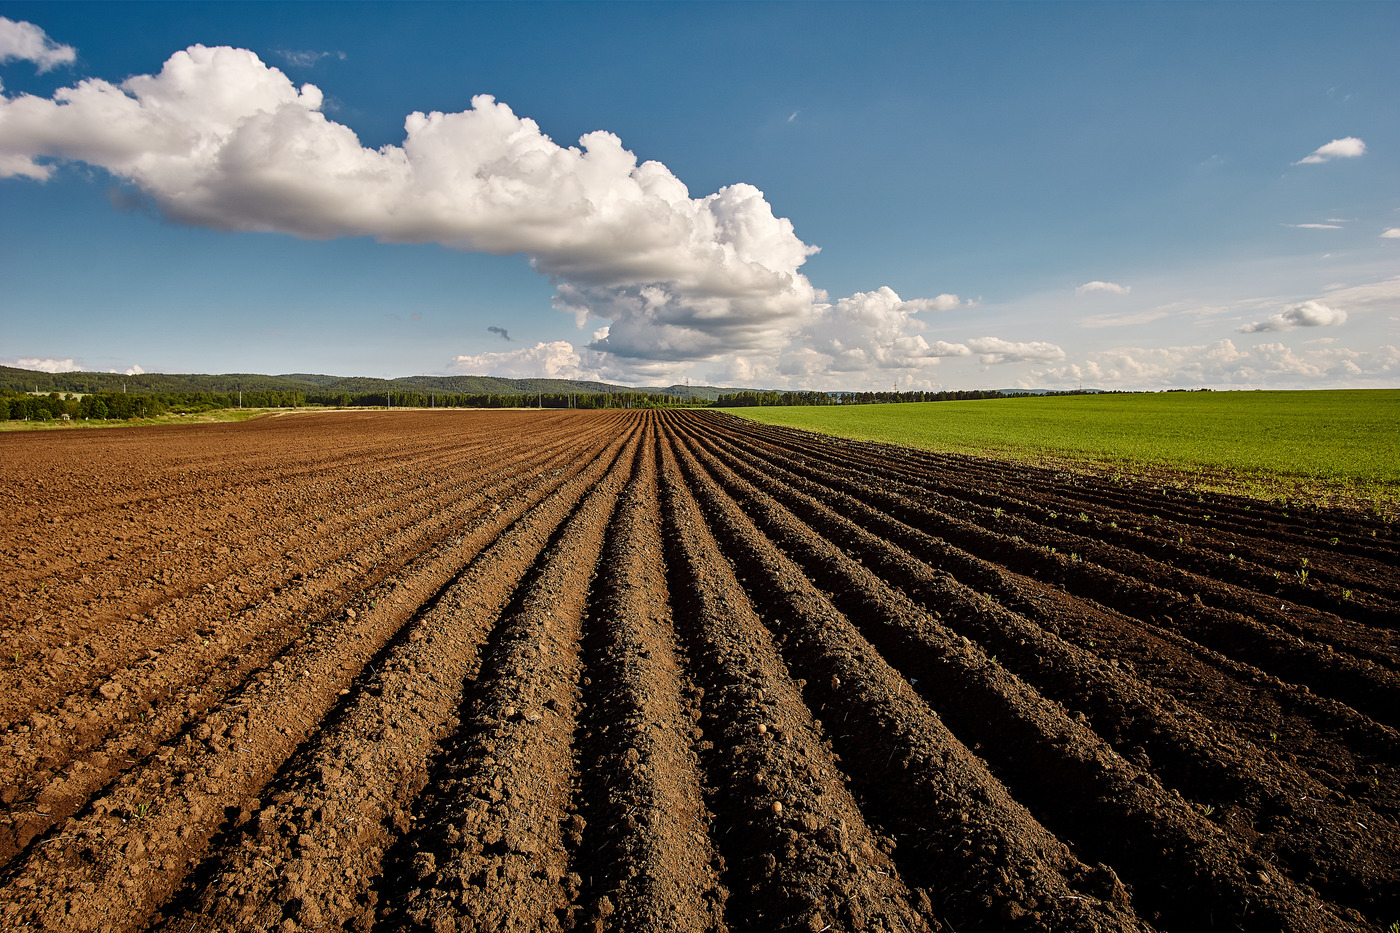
<point x="638" y="671"/>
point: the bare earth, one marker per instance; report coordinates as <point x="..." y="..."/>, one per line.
<point x="639" y="671"/>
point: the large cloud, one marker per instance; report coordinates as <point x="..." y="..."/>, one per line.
<point x="28" y="42"/>
<point x="219" y="139"/>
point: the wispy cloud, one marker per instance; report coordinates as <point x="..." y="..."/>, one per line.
<point x="306" y="58"/>
<point x="1122" y="320"/>
<point x="1315" y="226"/>
<point x="1096" y="286"/>
<point x="500" y="331"/>
<point x="1348" y="147"/>
<point x="28" y="42"/>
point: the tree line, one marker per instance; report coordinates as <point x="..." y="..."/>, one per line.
<point x="16" y="406"/>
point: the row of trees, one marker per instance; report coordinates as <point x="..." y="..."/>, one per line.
<point x="16" y="406"/>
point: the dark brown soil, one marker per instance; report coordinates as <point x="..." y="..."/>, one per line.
<point x="451" y="671"/>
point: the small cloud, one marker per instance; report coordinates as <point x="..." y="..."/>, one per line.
<point x="1307" y="314"/>
<point x="45" y="365"/>
<point x="1314" y="226"/>
<point x="793" y="116"/>
<point x="995" y="350"/>
<point x="499" y="330"/>
<point x="135" y="370"/>
<point x="1346" y="148"/>
<point x="28" y="42"/>
<point x="416" y="316"/>
<point x="1112" y="287"/>
<point x="1392" y="234"/>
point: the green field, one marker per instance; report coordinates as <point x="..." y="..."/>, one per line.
<point x="1338" y="446"/>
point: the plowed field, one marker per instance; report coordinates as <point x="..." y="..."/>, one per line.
<point x="642" y="671"/>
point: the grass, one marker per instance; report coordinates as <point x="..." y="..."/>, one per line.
<point x="1337" y="447"/>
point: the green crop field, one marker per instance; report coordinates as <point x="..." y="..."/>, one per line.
<point x="1334" y="446"/>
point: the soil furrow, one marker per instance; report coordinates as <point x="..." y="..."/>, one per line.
<point x="330" y="812"/>
<point x="489" y="850"/>
<point x="1250" y="787"/>
<point x="379" y="671"/>
<point x="1360" y="683"/>
<point x="1056" y="765"/>
<point x="965" y="838"/>
<point x="644" y="849"/>
<point x="164" y="810"/>
<point x="798" y="853"/>
<point x="154" y="701"/>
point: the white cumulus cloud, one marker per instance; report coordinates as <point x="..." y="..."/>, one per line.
<point x="1348" y="147"/>
<point x="1308" y="314"/>
<point x="1096" y="286"/>
<point x="996" y="350"/>
<point x="556" y="359"/>
<point x="1392" y="233"/>
<point x="219" y="139"/>
<point x="46" y="365"/>
<point x="21" y="40"/>
<point x="870" y="330"/>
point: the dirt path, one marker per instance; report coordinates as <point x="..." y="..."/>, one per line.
<point x="638" y="670"/>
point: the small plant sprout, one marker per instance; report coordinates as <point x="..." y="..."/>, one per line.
<point x="1302" y="575"/>
<point x="1346" y="594"/>
<point x="1208" y="809"/>
<point x="143" y="810"/>
<point x="997" y="512"/>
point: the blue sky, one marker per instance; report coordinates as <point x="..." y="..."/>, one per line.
<point x="940" y="195"/>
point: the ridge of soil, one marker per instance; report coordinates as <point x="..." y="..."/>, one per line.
<point x="628" y="670"/>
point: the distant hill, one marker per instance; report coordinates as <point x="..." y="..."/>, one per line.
<point x="26" y="380"/>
